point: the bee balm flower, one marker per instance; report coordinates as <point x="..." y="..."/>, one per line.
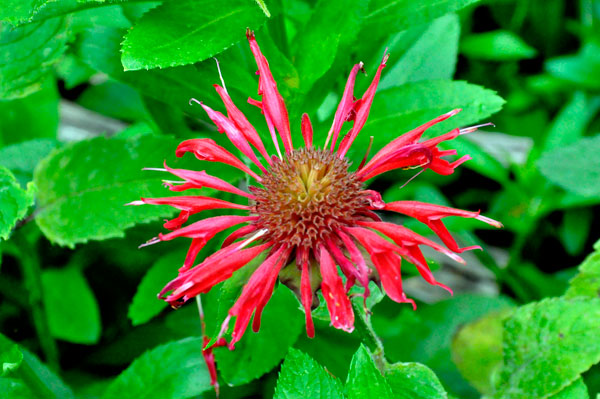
<point x="308" y="211"/>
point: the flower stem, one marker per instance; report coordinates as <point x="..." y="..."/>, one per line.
<point x="32" y="273"/>
<point x="370" y="339"/>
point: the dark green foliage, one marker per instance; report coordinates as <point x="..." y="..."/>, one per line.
<point x="92" y="91"/>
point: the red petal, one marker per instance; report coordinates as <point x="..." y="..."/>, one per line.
<point x="344" y="107"/>
<point x="236" y="137"/>
<point x="242" y="122"/>
<point x="273" y="105"/>
<point x="307" y="131"/>
<point x="306" y="292"/>
<point x="362" y="108"/>
<point x="207" y="228"/>
<point x="388" y="267"/>
<point x="202" y="179"/>
<point x="241" y="232"/>
<point x="209" y="150"/>
<point x="338" y="303"/>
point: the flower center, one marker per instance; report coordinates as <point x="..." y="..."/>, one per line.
<point x="307" y="197"/>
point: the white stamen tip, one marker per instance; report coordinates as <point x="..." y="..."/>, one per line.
<point x="135" y="203"/>
<point x="490" y="221"/>
<point x="471" y="129"/>
<point x="156" y="169"/>
<point x="257" y="235"/>
<point x="152" y="241"/>
<point x="194" y="100"/>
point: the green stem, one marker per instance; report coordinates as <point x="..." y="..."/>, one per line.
<point x="364" y="327"/>
<point x="32" y="273"/>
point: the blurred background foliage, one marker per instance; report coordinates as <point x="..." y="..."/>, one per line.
<point x="92" y="91"/>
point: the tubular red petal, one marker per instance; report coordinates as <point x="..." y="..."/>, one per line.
<point x="242" y="123"/>
<point x="410" y="137"/>
<point x="216" y="268"/>
<point x="306" y="296"/>
<point x="239" y="233"/>
<point x="347" y="267"/>
<point x="307" y="131"/>
<point x="344" y="108"/>
<point x="209" y="150"/>
<point x="362" y="108"/>
<point x="194" y="204"/>
<point x="236" y="137"/>
<point x="207" y="228"/>
<point x="273" y="104"/>
<point x="202" y="179"/>
<point x="338" y="303"/>
<point x="256" y="293"/>
<point x="388" y="266"/>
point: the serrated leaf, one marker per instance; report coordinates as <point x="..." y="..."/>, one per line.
<point x="547" y="345"/>
<point x="587" y="282"/>
<point x="14" y="201"/>
<point x="302" y="377"/>
<point x="398" y="110"/>
<point x="576" y="390"/>
<point x="387" y="16"/>
<point x="27" y="54"/>
<point x="414" y="381"/>
<point x="145" y="305"/>
<point x="498" y="45"/>
<point x="365" y="381"/>
<point x="575" y="167"/>
<point x="258" y="353"/>
<point x="73" y="313"/>
<point x="187" y="31"/>
<point x="439" y="40"/>
<point x="83" y="187"/>
<point x="171" y="371"/>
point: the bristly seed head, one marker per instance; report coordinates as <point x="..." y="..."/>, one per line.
<point x="307" y="197"/>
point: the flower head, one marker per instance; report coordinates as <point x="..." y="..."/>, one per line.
<point x="308" y="210"/>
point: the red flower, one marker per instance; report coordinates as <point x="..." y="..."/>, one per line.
<point x="308" y="211"/>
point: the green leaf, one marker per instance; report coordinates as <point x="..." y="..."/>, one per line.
<point x="398" y="110"/>
<point x="258" y="353"/>
<point x="575" y="229"/>
<point x="498" y="45"/>
<point x="580" y="69"/>
<point x="10" y="356"/>
<point x="73" y="313"/>
<point x="587" y="282"/>
<point x="385" y="16"/>
<point x="14" y="201"/>
<point x="575" y="168"/>
<point x="35" y="116"/>
<point x="27" y="54"/>
<point x="572" y="120"/>
<point x="315" y="49"/>
<point x="439" y="40"/>
<point x="172" y="371"/>
<point x="547" y="345"/>
<point x="145" y="304"/>
<point x="187" y="31"/>
<point x="83" y="187"/>
<point x="483" y="336"/>
<point x="302" y="377"/>
<point x="364" y="378"/>
<point x="414" y="381"/>
<point x="576" y="390"/>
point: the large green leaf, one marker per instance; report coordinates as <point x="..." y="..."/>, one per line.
<point x="83" y="187"/>
<point x="145" y="304"/>
<point x="498" y="45"/>
<point x="576" y="390"/>
<point x="331" y="22"/>
<point x="575" y="167"/>
<point x="438" y="40"/>
<point x="388" y="16"/>
<point x="302" y="377"/>
<point x="580" y="69"/>
<point x="72" y="310"/>
<point x="365" y="380"/>
<point x="171" y="371"/>
<point x="587" y="282"/>
<point x="187" y="31"/>
<point x="258" y="353"/>
<point x="414" y="381"/>
<point x="27" y="54"/>
<point x="547" y="345"/>
<point x="14" y="201"/>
